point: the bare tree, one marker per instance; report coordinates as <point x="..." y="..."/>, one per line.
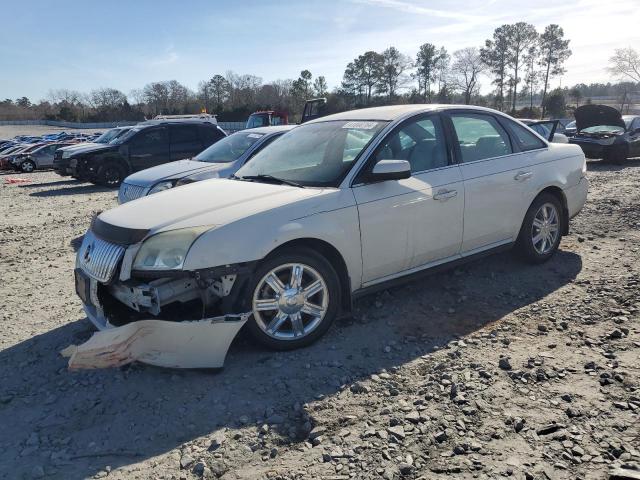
<point x="466" y="68"/>
<point x="625" y="64"/>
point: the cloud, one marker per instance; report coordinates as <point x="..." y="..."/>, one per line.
<point x="168" y="58"/>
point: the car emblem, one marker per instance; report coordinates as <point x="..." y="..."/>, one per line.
<point x="87" y="253"/>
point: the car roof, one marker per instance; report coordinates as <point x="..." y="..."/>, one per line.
<point x="393" y="112"/>
<point x="271" y="129"/>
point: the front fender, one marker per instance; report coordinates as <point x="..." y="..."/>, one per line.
<point x="253" y="238"/>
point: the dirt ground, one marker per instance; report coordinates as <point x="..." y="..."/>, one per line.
<point x="495" y="369"/>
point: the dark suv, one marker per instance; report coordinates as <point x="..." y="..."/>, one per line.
<point x="145" y="145"/>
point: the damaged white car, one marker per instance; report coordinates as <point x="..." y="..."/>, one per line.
<point x="336" y="208"/>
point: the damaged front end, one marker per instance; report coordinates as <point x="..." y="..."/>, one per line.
<point x="164" y="317"/>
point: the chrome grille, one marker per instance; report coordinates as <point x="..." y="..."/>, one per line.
<point x="99" y="259"/>
<point x="130" y="192"/>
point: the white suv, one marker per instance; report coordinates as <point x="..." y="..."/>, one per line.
<point x="335" y="208"/>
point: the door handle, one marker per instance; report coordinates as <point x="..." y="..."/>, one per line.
<point x="142" y="155"/>
<point x="444" y="195"/>
<point x="522" y="176"/>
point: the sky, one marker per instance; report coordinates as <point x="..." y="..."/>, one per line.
<point x="82" y="45"/>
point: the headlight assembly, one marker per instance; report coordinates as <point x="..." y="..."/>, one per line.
<point x="167" y="250"/>
<point x="159" y="187"/>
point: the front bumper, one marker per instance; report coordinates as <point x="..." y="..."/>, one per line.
<point x="172" y="321"/>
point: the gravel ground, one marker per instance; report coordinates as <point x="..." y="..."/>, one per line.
<point x="495" y="369"/>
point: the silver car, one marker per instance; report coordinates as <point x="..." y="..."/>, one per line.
<point x="220" y="160"/>
<point x="41" y="157"/>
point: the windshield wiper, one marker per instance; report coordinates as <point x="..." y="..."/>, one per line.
<point x="263" y="176"/>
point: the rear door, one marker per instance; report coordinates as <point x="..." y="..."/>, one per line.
<point x="149" y="147"/>
<point x="185" y="141"/>
<point x="409" y="223"/>
<point x="498" y="176"/>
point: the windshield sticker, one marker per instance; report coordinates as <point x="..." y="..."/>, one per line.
<point x="361" y="125"/>
<point x="254" y="135"/>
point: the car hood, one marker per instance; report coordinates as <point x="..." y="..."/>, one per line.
<point x="80" y="146"/>
<point x="170" y="171"/>
<point x="98" y="147"/>
<point x="213" y="202"/>
<point x="595" y="115"/>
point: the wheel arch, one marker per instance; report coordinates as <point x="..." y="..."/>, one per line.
<point x="334" y="257"/>
<point x="559" y="194"/>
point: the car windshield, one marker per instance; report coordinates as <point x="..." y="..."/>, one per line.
<point x="230" y="148"/>
<point x="603" y="128"/>
<point x="258" y="120"/>
<point x="119" y="139"/>
<point x="314" y="154"/>
<point x="109" y="135"/>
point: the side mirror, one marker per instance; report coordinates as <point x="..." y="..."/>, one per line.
<point x="389" y="170"/>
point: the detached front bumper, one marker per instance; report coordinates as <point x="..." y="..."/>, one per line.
<point x="171" y="322"/>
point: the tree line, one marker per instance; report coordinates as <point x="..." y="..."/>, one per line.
<point x="518" y="61"/>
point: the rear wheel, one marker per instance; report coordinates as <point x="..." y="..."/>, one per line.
<point x="541" y="229"/>
<point x="294" y="297"/>
<point x="27" y="166"/>
<point x="111" y="175"/>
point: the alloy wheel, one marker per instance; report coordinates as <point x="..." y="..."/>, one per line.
<point x="545" y="229"/>
<point x="290" y="301"/>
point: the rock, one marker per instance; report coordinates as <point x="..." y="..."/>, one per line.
<point x="440" y="436"/>
<point x="405" y="468"/>
<point x="316" y="432"/>
<point x="518" y="424"/>
<point x="543" y="328"/>
<point x="504" y="363"/>
<point x="397" y="432"/>
<point x="573" y="412"/>
<point x="217" y="441"/>
<point x="624" y="474"/>
<point x="37" y="472"/>
<point x="358" y="388"/>
<point x="199" y="468"/>
<point x="413" y="417"/>
<point x="186" y="461"/>
<point x="550" y="428"/>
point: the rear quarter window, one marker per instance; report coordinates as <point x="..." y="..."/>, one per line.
<point x="524" y="138"/>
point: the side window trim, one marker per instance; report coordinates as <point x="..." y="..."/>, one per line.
<point x="368" y="164"/>
<point x="454" y="136"/>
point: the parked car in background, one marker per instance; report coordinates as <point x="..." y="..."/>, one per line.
<point x="602" y="132"/>
<point x="146" y="145"/>
<point x="570" y="129"/>
<point x="335" y="208"/>
<point x="63" y="155"/>
<point x="220" y="160"/>
<point x="7" y="155"/>
<point x="267" y="118"/>
<point x="546" y="129"/>
<point x="38" y="158"/>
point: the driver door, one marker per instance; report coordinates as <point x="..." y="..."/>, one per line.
<point x="149" y="148"/>
<point x="408" y="224"/>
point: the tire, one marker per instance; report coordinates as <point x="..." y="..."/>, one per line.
<point x="534" y="251"/>
<point x="617" y="155"/>
<point x="290" y="304"/>
<point x="111" y="175"/>
<point x="27" y="166"/>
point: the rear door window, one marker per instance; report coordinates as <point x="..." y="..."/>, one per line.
<point x="210" y="134"/>
<point x="480" y="136"/>
<point x="525" y="139"/>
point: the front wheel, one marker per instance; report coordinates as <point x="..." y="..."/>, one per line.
<point x="294" y="297"/>
<point x="27" y="166"/>
<point x="540" y="233"/>
<point x="111" y="175"/>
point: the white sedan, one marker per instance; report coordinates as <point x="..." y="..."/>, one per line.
<point x="336" y="208"/>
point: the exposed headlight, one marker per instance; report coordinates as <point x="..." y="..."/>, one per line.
<point x="167" y="250"/>
<point x="159" y="187"/>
